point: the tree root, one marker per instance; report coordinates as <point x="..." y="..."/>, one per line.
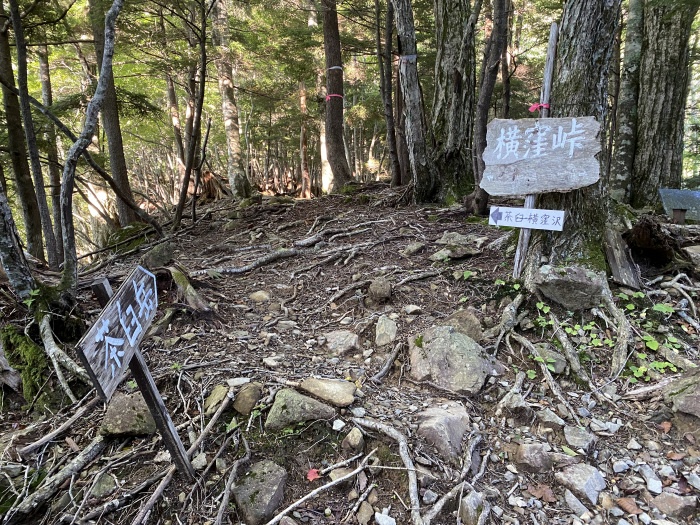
<point x="623" y="331"/>
<point x="223" y="506"/>
<point x="509" y="319"/>
<point x="258" y="263"/>
<point x="377" y="378"/>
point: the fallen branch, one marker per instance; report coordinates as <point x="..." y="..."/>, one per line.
<point x="262" y="261"/>
<point x="377" y="378"/>
<point x="509" y="319"/>
<point x="316" y="492"/>
<point x="229" y="482"/>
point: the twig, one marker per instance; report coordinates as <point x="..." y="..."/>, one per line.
<point x="683" y="315"/>
<point x="377" y="378"/>
<point x="467" y="463"/>
<point x="56" y="353"/>
<point x="338" y="465"/>
<point x="439" y="504"/>
<point x="359" y="501"/>
<point x="229" y="482"/>
<point x="317" y="491"/>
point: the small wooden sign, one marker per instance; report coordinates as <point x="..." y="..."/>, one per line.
<point x="530" y="156"/>
<point x="106" y="349"/>
<point x="530" y="218"/>
<point x="688" y="200"/>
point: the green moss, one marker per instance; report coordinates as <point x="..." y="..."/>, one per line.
<point x="594" y="256"/>
<point x="29" y="360"/>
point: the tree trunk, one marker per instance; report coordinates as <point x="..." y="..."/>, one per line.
<point x="495" y="47"/>
<point x="405" y="176"/>
<point x="240" y="186"/>
<point x="51" y="148"/>
<point x="18" y="150"/>
<point x="455" y="85"/>
<point x="110" y="119"/>
<point x="586" y="40"/>
<point x="424" y="173"/>
<point x="11" y="255"/>
<point x="304" y="145"/>
<point x="626" y="135"/>
<point x="335" y="145"/>
<point x="663" y="89"/>
<point x="508" y="53"/>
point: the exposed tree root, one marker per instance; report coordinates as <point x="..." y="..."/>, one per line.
<point x="509" y="319"/>
<point x="623" y="332"/>
<point x="262" y="261"/>
<point x="223" y="506"/>
<point x="377" y="378"/>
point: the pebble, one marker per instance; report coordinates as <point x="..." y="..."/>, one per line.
<point x="429" y="497"/>
<point x="358" y="412"/>
<point x="634" y="445"/>
<point x="620" y="466"/>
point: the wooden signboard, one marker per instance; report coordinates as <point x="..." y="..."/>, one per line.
<point x="108" y="346"/>
<point x="531" y="218"/>
<point x="531" y="156"/>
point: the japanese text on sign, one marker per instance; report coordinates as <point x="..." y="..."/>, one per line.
<point x="109" y="345"/>
<point x="531" y="218"/>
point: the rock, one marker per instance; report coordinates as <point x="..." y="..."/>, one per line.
<point x="237" y="381"/>
<point x="337" y="392"/>
<point x="364" y="513"/>
<point x="379" y="290"/>
<point x="574" y="503"/>
<point x="548" y="419"/>
<point x="633" y="444"/>
<point x="471" y="507"/>
<point x="620" y="466"/>
<point x="534" y="457"/>
<point x="291" y="407"/>
<point x="444" y="427"/>
<point x="104" y="485"/>
<point x="553" y="359"/>
<point x="385" y="331"/>
<point x="127" y="415"/>
<point x="694" y="253"/>
<point x="574" y="287"/>
<point x="338" y="473"/>
<point x="383" y="519"/>
<point x="684" y="394"/>
<point x="467" y="323"/>
<point x="211" y="403"/>
<point x="160" y="255"/>
<point x="247" y="398"/>
<point x="429" y="497"/>
<point x="654" y="484"/>
<point x="675" y="506"/>
<point x="259" y="493"/>
<point x="339" y="342"/>
<point x="584" y="480"/>
<point x="412" y="309"/>
<point x="452" y="360"/>
<point x="199" y="462"/>
<point x="413" y="248"/>
<point x="288" y="521"/>
<point x="354" y="441"/>
<point x="261" y="296"/>
<point x="578" y="437"/>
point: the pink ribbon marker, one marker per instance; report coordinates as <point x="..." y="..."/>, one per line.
<point x="328" y="97"/>
<point x="538" y="107"/>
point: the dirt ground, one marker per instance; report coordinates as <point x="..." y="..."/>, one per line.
<point x="318" y="287"/>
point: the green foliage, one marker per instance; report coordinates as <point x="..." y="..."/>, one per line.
<point x="419" y="341"/>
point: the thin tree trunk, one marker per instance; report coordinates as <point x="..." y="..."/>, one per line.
<point x="401" y="144"/>
<point x="508" y="53"/>
<point x="30" y="135"/>
<point x="304" y="145"/>
<point x="11" y="255"/>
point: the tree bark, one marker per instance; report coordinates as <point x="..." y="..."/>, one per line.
<point x="335" y="145"/>
<point x="110" y="118"/>
<point x="423" y="171"/>
<point x="18" y="150"/>
<point x="663" y="89"/>
<point x="240" y="186"/>
<point x="30" y="136"/>
<point x="304" y="145"/>
<point x="11" y="255"/>
<point x="626" y="136"/>
<point x="384" y="59"/>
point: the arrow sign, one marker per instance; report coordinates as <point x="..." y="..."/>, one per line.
<point x="530" y="218"/>
<point x="109" y="345"/>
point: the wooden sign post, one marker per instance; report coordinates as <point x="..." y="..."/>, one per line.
<point x="112" y="344"/>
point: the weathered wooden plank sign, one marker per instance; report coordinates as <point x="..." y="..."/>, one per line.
<point x="530" y="156"/>
<point x="108" y="346"/>
<point x="530" y="218"/>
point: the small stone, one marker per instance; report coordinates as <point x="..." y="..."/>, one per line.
<point x="634" y="445"/>
<point x="199" y="462"/>
<point x="354" y="441"/>
<point x="676" y="506"/>
<point x="338" y="473"/>
<point x="429" y="497"/>
<point x="218" y="394"/>
<point x="578" y="437"/>
<point x="386" y="331"/>
<point x="247" y="398"/>
<point x="364" y="513"/>
<point x="380" y="290"/>
<point x="582" y="479"/>
<point x="574" y="503"/>
<point x="338" y="425"/>
<point x="260" y="296"/>
<point x="383" y="519"/>
<point x="654" y="484"/>
<point x="534" y="457"/>
<point x="620" y="466"/>
<point x="412" y="309"/>
<point x="358" y="412"/>
<point x="548" y="419"/>
<point x="340" y="342"/>
<point x="694" y="480"/>
<point x="128" y="415"/>
<point x="237" y="381"/>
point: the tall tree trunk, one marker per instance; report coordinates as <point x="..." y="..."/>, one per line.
<point x="586" y="40"/>
<point x="424" y="172"/>
<point x="626" y="134"/>
<point x="18" y="150"/>
<point x="240" y="186"/>
<point x="304" y="145"/>
<point x="455" y="85"/>
<point x="11" y="255"/>
<point x="495" y="47"/>
<point x="51" y="147"/>
<point x="663" y="90"/>
<point x="508" y="53"/>
<point x="334" y="97"/>
<point x="110" y="118"/>
<point x="405" y="174"/>
<point x="30" y="135"/>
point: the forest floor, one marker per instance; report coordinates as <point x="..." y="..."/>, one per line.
<point x="275" y="338"/>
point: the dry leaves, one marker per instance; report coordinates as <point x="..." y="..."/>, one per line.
<point x="542" y="492"/>
<point x="628" y="505"/>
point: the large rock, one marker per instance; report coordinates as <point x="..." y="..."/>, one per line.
<point x="385" y="331"/>
<point x="573" y="287"/>
<point x="583" y="480"/>
<point x="291" y="407"/>
<point x="379" y="290"/>
<point x="247" y="398"/>
<point x="444" y="427"/>
<point x="160" y="255"/>
<point x="340" y="342"/>
<point x="467" y="323"/>
<point x="534" y="457"/>
<point x="128" y="415"/>
<point x="259" y="493"/>
<point x="452" y="360"/>
<point x="337" y="392"/>
<point x="675" y="506"/>
<point x="684" y="394"/>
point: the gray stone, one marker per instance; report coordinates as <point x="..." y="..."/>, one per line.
<point x="339" y="342"/>
<point x="675" y="506"/>
<point x="386" y="330"/>
<point x="684" y="394"/>
<point x="534" y="457"/>
<point x="578" y="437"/>
<point x="467" y="323"/>
<point x="364" y="513"/>
<point x="633" y="444"/>
<point x="247" y="398"/>
<point x="548" y="419"/>
<point x="291" y="407"/>
<point x="573" y="287"/>
<point x="620" y="466"/>
<point x="444" y="428"/>
<point x="261" y="296"/>
<point x="288" y="521"/>
<point x="583" y="480"/>
<point x="693" y="480"/>
<point x="354" y="441"/>
<point x="215" y="397"/>
<point x="452" y="360"/>
<point x="429" y="497"/>
<point x="199" y="462"/>
<point x="654" y="484"/>
<point x="383" y="519"/>
<point x="259" y="493"/>
<point x="413" y="248"/>
<point x="574" y="503"/>
<point x="380" y="290"/>
<point x="103" y="486"/>
<point x="471" y="507"/>
<point x="553" y="359"/>
<point x="160" y="255"/>
<point x="337" y="392"/>
<point x="128" y="415"/>
<point x="694" y="253"/>
<point x="341" y="472"/>
<point x="412" y="309"/>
